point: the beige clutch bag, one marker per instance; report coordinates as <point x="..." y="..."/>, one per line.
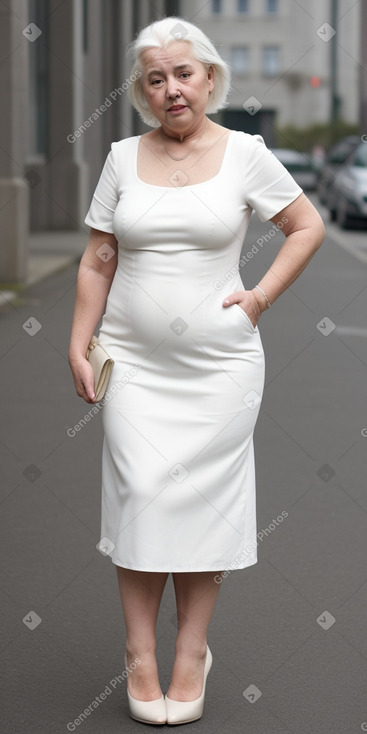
<point x="102" y="366"/>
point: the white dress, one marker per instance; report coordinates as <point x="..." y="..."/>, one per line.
<point x="178" y="476"/>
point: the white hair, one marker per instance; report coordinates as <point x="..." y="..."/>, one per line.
<point x="158" y="35"/>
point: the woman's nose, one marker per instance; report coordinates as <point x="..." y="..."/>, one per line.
<point x="172" y="88"/>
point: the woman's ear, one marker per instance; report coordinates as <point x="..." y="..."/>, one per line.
<point x="211" y="77"/>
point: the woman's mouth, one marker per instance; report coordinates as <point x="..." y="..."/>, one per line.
<point x="177" y="108"/>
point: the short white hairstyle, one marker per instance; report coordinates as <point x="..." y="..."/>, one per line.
<point x="158" y="35"/>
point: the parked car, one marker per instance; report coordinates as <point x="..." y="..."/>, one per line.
<point x="299" y="166"/>
<point x="347" y="201"/>
<point x="334" y="160"/>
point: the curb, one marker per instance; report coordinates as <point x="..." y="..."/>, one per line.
<point x="40" y="267"/>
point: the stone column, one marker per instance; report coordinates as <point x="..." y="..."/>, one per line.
<point x="128" y="126"/>
<point x="66" y="171"/>
<point x="14" y="194"/>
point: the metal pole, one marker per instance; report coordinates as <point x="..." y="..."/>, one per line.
<point x="335" y="99"/>
<point x="363" y="69"/>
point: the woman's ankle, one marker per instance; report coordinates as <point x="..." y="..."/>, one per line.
<point x="143" y="681"/>
<point x="137" y="650"/>
<point x="190" y="648"/>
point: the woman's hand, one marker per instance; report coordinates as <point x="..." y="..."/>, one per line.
<point x="304" y="232"/>
<point x="83" y="378"/>
<point x="249" y="301"/>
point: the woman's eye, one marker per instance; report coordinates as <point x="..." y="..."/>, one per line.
<point x="185" y="74"/>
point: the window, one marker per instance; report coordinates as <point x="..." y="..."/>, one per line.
<point x="216" y="6"/>
<point x="243" y="6"/>
<point x="272" y="7"/>
<point x="240" y="59"/>
<point x="271" y="60"/>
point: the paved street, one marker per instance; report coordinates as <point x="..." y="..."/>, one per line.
<point x="289" y="635"/>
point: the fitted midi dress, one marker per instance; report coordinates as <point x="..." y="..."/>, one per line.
<point x="178" y="472"/>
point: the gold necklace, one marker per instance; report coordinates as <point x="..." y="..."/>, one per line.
<point x="176" y="158"/>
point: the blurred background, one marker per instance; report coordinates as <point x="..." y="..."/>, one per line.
<point x="299" y="79"/>
<point x="294" y="625"/>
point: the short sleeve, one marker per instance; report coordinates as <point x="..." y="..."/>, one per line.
<point x="269" y="187"/>
<point x="105" y="197"/>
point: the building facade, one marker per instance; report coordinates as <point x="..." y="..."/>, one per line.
<point x="281" y="54"/>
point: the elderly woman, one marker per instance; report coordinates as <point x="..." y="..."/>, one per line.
<point x="168" y="220"/>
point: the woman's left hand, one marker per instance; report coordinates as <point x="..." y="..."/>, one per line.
<point x="248" y="301"/>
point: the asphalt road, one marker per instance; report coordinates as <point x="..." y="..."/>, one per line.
<point x="289" y="635"/>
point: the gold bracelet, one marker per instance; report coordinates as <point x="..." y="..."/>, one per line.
<point x="264" y="294"/>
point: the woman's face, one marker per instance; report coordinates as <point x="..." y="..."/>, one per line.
<point x="173" y="76"/>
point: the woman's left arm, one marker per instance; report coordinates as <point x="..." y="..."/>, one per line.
<point x="304" y="231"/>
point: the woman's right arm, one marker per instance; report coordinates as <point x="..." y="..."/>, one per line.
<point x="95" y="275"/>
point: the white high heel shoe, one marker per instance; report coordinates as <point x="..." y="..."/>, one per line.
<point x="182" y="712"/>
<point x="148" y="712"/>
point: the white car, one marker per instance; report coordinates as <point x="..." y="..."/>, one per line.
<point x="347" y="201"/>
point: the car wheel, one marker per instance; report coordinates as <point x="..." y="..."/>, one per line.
<point x="321" y="195"/>
<point x="342" y="215"/>
<point x="330" y="205"/>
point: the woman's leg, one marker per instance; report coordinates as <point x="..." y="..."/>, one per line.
<point x="196" y="594"/>
<point x="141" y="594"/>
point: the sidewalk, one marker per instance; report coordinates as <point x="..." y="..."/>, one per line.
<point x="49" y="252"/>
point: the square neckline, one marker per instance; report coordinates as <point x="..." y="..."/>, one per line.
<point x="189" y="186"/>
